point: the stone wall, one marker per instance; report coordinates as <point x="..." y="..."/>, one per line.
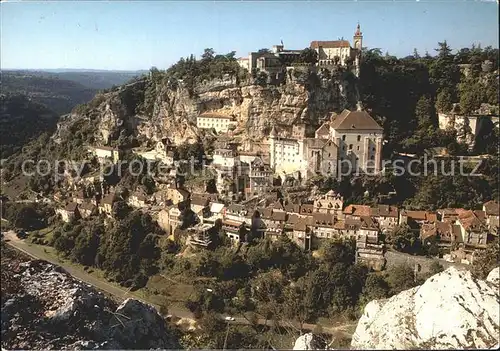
<point x="397" y="258"/>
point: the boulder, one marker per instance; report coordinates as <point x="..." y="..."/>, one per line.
<point x="494" y="276"/>
<point x="53" y="310"/>
<point x="139" y="325"/>
<point x="452" y="309"/>
<point x="305" y="342"/>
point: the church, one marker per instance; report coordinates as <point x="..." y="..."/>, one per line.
<point x="347" y="143"/>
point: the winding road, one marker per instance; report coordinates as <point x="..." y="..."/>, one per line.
<point x="37" y="252"/>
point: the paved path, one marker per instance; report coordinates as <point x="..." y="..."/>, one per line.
<point x="38" y="253"/>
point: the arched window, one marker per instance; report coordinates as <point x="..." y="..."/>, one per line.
<point x="343" y="137"/>
<point x="350" y="146"/>
<point x="359" y="137"/>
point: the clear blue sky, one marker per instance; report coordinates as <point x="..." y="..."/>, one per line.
<point x="140" y="34"/>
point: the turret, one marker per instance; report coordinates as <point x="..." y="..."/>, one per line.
<point x="358" y="38"/>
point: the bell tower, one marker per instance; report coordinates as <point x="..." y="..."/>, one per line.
<point x="358" y="39"/>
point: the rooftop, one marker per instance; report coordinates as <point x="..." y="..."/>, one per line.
<point x="330" y="44"/>
<point x="491" y="208"/>
<point x="349" y="120"/>
<point x="215" y="115"/>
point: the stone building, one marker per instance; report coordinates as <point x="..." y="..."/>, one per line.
<point x="106" y="204"/>
<point x="106" y="153"/>
<point x="164" y="151"/>
<point x="330" y="53"/>
<point x="348" y="142"/>
<point x="334" y="52"/>
<point x="260" y="177"/>
<point x="221" y="123"/>
<point x="68" y="212"/>
<point x="468" y="126"/>
<point x="331" y="203"/>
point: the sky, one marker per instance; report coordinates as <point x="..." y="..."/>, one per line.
<point x="132" y="35"/>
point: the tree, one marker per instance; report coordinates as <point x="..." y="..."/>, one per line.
<point x="470" y="97"/>
<point x="308" y="55"/>
<point x="424" y="113"/>
<point x="443" y="49"/>
<point x="333" y="252"/>
<point x="443" y="102"/>
<point x="486" y="260"/>
<point x="208" y="54"/>
<point x="415" y="54"/>
<point x="406" y="240"/>
<point x="121" y="209"/>
<point x="375" y="287"/>
<point x="401" y="277"/>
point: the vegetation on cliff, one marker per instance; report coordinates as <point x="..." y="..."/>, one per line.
<point x="406" y="93"/>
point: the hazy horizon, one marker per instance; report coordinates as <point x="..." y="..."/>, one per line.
<point x="132" y="36"/>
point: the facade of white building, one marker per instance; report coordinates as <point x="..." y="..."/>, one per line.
<point x="221" y="123"/>
<point x="352" y="140"/>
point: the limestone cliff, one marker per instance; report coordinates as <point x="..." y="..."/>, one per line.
<point x="451" y="310"/>
<point x="153" y="109"/>
<point x="43" y="307"/>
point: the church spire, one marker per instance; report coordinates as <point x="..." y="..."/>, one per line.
<point x="358" y="30"/>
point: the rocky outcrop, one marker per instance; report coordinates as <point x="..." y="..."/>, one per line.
<point x="52" y="310"/>
<point x="450" y="310"/>
<point x="306" y="342"/>
<point x="154" y="110"/>
<point x="494" y="276"/>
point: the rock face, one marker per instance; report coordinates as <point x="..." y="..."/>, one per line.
<point x="450" y="310"/>
<point x="49" y="309"/>
<point x="152" y="110"/>
<point x="305" y="342"/>
<point x="494" y="276"/>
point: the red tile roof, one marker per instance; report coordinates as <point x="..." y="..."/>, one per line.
<point x="323" y="219"/>
<point x="420" y="215"/>
<point x="470" y="221"/>
<point x="358" y="210"/>
<point x="349" y="120"/>
<point x="330" y="44"/>
<point x="491" y="208"/>
<point x="384" y="211"/>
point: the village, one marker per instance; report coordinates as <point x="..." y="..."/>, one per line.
<point x="257" y="189"/>
<point x="252" y="194"/>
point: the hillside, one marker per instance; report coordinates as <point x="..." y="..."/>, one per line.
<point x="58" y="94"/>
<point x="22" y="120"/>
<point x="93" y="79"/>
<point x="61" y="91"/>
<point x="166" y="104"/>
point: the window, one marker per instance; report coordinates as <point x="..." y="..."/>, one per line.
<point x="372" y="157"/>
<point x="359" y="137"/>
<point x="350" y="146"/>
<point x="343" y="137"/>
<point x="357" y="148"/>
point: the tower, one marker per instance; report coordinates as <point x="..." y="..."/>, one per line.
<point x="358" y="46"/>
<point x="358" y="39"/>
<point x="272" y="146"/>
